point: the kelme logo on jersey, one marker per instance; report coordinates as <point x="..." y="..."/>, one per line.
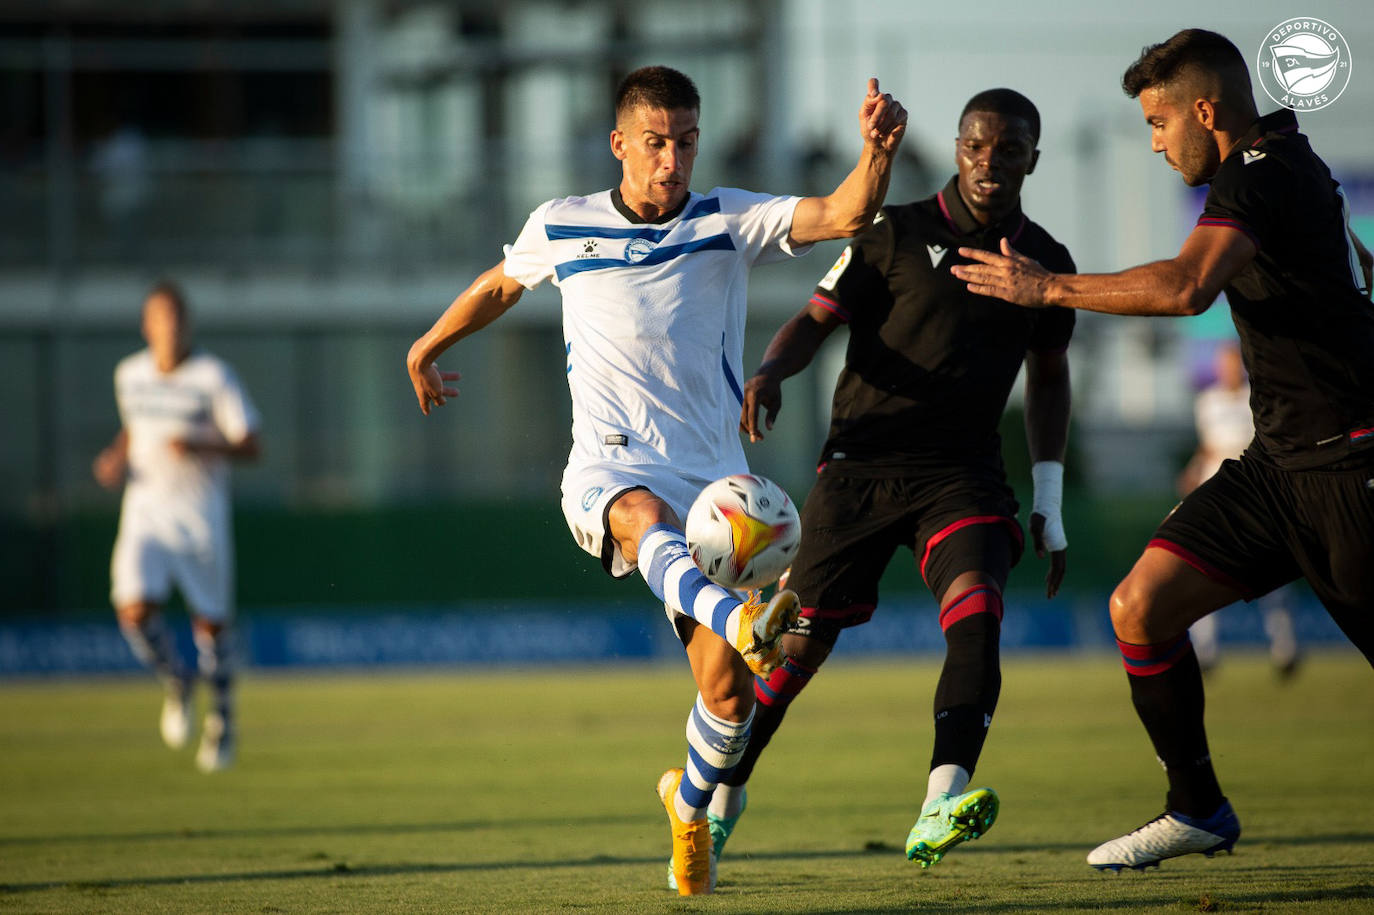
<point x="589" y="498"/>
<point x="1304" y="64"/>
<point x="638" y="249"/>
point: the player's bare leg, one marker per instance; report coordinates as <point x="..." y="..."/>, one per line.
<point x="802" y="655"/>
<point x="145" y="630"/>
<point x="642" y="523"/>
<point x="218" y="740"/>
<point x="720" y="633"/>
<point x="1151" y="612"/>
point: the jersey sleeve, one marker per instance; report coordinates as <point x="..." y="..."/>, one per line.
<point x="760" y="223"/>
<point x="1247" y="195"/>
<point x="530" y="260"/>
<point x="858" y="275"/>
<point x="234" y="413"/>
<point x="1054" y="325"/>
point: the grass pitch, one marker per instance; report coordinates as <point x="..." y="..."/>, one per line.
<point x="532" y="791"/>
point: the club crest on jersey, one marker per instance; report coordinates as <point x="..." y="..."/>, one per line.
<point x="830" y="279"/>
<point x="1303" y="64"/>
<point x="638" y="249"/>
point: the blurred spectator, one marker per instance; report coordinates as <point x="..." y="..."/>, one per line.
<point x="1224" y="429"/>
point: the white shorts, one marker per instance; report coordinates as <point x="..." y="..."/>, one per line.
<point x="589" y="490"/>
<point x="149" y="559"/>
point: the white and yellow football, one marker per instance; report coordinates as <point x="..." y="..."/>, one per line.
<point x="743" y="531"/>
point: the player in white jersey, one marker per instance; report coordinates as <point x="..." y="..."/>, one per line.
<point x="653" y="279"/>
<point x="183" y="415"/>
<point x="1225" y="427"/>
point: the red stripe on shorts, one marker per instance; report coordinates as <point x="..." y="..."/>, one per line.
<point x="960" y="525"/>
<point x="1202" y="566"/>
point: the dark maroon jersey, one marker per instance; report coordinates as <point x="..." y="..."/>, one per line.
<point x="1306" y="329"/>
<point x="929" y="364"/>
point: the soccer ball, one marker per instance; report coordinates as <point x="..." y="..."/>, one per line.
<point x="743" y="531"/>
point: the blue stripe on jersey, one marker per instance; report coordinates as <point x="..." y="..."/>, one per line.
<point x="706" y="206"/>
<point x="730" y="378"/>
<point x="559" y="233"/>
<point x="721" y="242"/>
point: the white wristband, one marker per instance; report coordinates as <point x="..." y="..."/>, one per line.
<point x="1047" y="480"/>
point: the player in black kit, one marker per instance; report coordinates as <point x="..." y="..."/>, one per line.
<point x="913" y="457"/>
<point x="1299" y="502"/>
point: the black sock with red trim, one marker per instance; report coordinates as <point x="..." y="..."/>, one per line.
<point x="1166" y="689"/>
<point x="971" y="680"/>
<point x="771" y="699"/>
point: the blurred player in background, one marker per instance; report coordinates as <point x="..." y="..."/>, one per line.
<point x="914" y="459"/>
<point x="653" y="279"/>
<point x="183" y="416"/>
<point x="1274" y="235"/>
<point x="1224" y="429"/>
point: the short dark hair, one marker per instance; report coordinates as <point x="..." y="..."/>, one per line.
<point x="1185" y="54"/>
<point x="656" y="87"/>
<point x="1007" y="102"/>
<point x="171" y="291"/>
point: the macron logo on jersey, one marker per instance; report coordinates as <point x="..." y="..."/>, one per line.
<point x="1252" y="155"/>
<point x="937" y="254"/>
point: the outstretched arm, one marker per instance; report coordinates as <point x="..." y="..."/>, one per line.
<point x="850" y="208"/>
<point x="1184" y="285"/>
<point x="248" y="448"/>
<point x="112" y="462"/>
<point x="791" y="350"/>
<point x="1047" y="435"/>
<point x="481" y="303"/>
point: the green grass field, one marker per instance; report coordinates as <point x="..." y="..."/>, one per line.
<point x="522" y="791"/>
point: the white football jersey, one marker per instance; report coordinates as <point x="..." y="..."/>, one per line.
<point x="1225" y="424"/>
<point x="200" y="400"/>
<point x="653" y="321"/>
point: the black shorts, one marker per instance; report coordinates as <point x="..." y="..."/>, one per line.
<point x="1255" y="527"/>
<point x="954" y="521"/>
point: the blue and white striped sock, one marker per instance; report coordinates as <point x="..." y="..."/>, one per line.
<point x="152" y="643"/>
<point x="714" y="748"/>
<point x="675" y="579"/>
<point x="215" y="662"/>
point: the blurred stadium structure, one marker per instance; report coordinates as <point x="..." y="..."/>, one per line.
<point x="323" y="176"/>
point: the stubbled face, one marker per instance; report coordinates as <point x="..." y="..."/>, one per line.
<point x="1177" y="131"/>
<point x="166" y="331"/>
<point x="994" y="153"/>
<point x="657" y="149"/>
